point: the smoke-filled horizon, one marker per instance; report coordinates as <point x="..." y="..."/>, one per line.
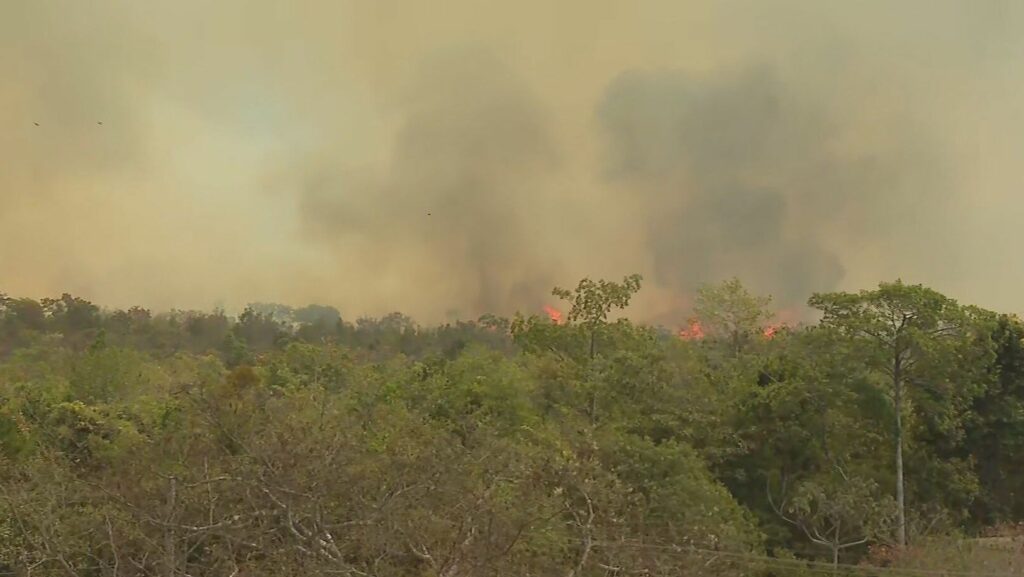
<point x="450" y="159"/>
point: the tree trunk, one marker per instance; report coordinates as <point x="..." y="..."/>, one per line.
<point x="835" y="560"/>
<point x="901" y="518"/>
<point x="170" y="539"/>
<point x="593" y="393"/>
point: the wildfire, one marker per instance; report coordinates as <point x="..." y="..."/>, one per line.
<point x="554" y="314"/>
<point x="769" y="331"/>
<point x="693" y="333"/>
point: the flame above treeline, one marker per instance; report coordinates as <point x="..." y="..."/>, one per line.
<point x="554" y="314"/>
<point x="694" y="331"/>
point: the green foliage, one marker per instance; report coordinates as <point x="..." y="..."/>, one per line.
<point x="994" y="431"/>
<point x="14" y="439"/>
<point x="592" y="301"/>
<point x="102" y="374"/>
<point x="288" y="441"/>
<point x="837" y="512"/>
<point x="259" y="331"/>
<point x="729" y="313"/>
<point x="925" y="350"/>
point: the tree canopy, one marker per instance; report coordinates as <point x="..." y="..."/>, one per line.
<point x="294" y="441"/>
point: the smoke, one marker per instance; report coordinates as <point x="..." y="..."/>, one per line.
<point x="463" y="199"/>
<point x="742" y="178"/>
<point x="452" y="159"/>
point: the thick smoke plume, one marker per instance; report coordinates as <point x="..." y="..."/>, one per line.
<point x="462" y="201"/>
<point x="740" y="177"/>
<point x="454" y="158"/>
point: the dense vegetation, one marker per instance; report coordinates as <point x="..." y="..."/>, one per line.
<point x="293" y="442"/>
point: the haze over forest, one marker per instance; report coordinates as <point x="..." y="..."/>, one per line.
<point x="381" y="156"/>
<point x="379" y="288"/>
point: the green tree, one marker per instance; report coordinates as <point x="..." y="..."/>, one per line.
<point x="592" y="301"/>
<point x="911" y="336"/>
<point x="727" y="311"/>
<point x="206" y="332"/>
<point x="72" y="316"/>
<point x="312" y="314"/>
<point x="259" y="330"/>
<point x="20" y="320"/>
<point x="995" y="433"/>
<point x="836" y="511"/>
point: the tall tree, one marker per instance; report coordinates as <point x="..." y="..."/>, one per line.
<point x="729" y="312"/>
<point x="911" y="336"/>
<point x="592" y="301"/>
<point x="995" y="435"/>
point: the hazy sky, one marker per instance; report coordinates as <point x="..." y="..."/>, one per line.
<point x="450" y="157"/>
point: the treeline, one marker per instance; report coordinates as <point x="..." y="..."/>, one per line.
<point x="294" y="442"/>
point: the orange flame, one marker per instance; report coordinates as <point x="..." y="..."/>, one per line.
<point x="554" y="314"/>
<point x="695" y="331"/>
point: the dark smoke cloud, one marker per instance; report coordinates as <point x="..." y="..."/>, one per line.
<point x="742" y="179"/>
<point x="462" y="192"/>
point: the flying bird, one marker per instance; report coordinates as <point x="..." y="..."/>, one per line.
<point x="36" y="123"/>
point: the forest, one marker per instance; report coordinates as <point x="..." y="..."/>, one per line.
<point x="886" y="437"/>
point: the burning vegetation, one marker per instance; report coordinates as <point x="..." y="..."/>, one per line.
<point x="693" y="332"/>
<point x="554" y="314"/>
